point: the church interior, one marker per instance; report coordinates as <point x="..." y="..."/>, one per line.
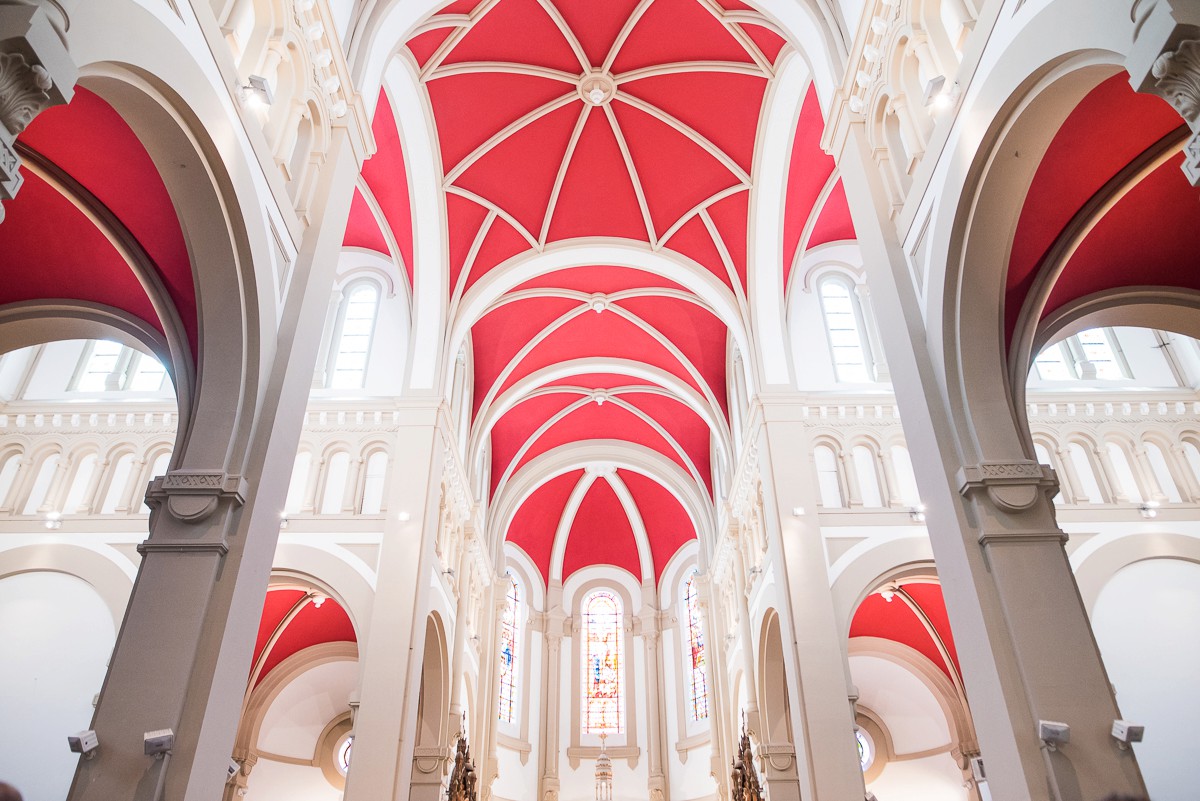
<point x="628" y="400"/>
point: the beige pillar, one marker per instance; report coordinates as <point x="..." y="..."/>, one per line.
<point x="746" y="636"/>
<point x="658" y="785"/>
<point x="1020" y="627"/>
<point x="386" y="760"/>
<point x="824" y="756"/>
<point x="552" y="684"/>
<point x="187" y="640"/>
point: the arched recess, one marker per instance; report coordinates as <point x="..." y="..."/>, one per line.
<point x="110" y="573"/>
<point x="978" y="366"/>
<point x="435" y="686"/>
<point x="183" y="118"/>
<point x="1095" y="564"/>
<point x="775" y="700"/>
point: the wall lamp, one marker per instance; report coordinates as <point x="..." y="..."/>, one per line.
<point x="256" y="92"/>
<point x="1149" y="509"/>
<point x="917" y="513"/>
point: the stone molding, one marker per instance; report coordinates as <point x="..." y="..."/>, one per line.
<point x="191" y="496"/>
<point x="1165" y="61"/>
<point x="1013" y="486"/>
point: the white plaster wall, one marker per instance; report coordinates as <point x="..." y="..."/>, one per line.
<point x="1147" y="624"/>
<point x="279" y="781"/>
<point x="934" y="778"/>
<point x="56" y="635"/>
<point x="305" y="707"/>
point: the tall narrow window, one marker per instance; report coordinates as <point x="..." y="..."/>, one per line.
<point x="827" y="477"/>
<point x="509" y="640"/>
<point x="1052" y="364"/>
<point x="697" y="666"/>
<point x="844" y="324"/>
<point x="356" y="327"/>
<point x="602" y="668"/>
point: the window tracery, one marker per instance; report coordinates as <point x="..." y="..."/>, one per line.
<point x="697" y="661"/>
<point x="509" y="638"/>
<point x="603" y="670"/>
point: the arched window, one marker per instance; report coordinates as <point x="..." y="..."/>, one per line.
<point x="697" y="664"/>
<point x="1162" y="473"/>
<point x="509" y="642"/>
<point x="603" y="678"/>
<point x="108" y="366"/>
<point x="1090" y="355"/>
<point x="868" y="476"/>
<point x="906" y="480"/>
<point x="843" y="322"/>
<point x="335" y="483"/>
<point x="1088" y="487"/>
<point x="299" y="483"/>
<point x="373" y="486"/>
<point x="827" y="477"/>
<point x="1124" y="474"/>
<point x="356" y="326"/>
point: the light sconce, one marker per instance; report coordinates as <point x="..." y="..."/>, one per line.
<point x="797" y="511"/>
<point x="403" y="517"/>
<point x="917" y="513"/>
<point x="938" y="95"/>
<point x="53" y="520"/>
<point x="283" y="520"/>
<point x="257" y="92"/>
<point x="1149" y="509"/>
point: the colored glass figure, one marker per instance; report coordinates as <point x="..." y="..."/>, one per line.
<point x="697" y="665"/>
<point x="602" y="684"/>
<point x="508" y="653"/>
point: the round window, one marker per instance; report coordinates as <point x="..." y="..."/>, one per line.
<point x="866" y="749"/>
<point x="342" y="754"/>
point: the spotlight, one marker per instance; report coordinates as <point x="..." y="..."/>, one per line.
<point x="257" y="92"/>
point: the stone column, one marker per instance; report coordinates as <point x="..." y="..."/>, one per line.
<point x="187" y="640"/>
<point x="552" y="685"/>
<point x="462" y="575"/>
<point x="1070" y="477"/>
<point x="386" y="758"/>
<point x="872" y="330"/>
<point x="746" y="635"/>
<point x="1165" y="61"/>
<point x="1020" y="628"/>
<point x="36" y="72"/>
<point x="655" y="731"/>
<point x="822" y="762"/>
<point x="1188" y="486"/>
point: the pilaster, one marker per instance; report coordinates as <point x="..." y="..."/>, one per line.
<point x="388" y="763"/>
<point x="185" y="646"/>
<point x="822" y="757"/>
<point x="1020" y="628"/>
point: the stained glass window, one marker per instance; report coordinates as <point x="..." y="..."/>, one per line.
<point x="509" y="625"/>
<point x="697" y="666"/>
<point x="602" y="679"/>
<point x="343" y="755"/>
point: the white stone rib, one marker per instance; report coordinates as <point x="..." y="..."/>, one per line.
<point x="619" y="42"/>
<point x="453" y="40"/>
<point x="701" y="206"/>
<point x="743" y="38"/>
<point x="507" y="131"/>
<point x="567" y="33"/>
<point x="730" y="268"/>
<point x="508" y="218"/>
<point x="552" y="204"/>
<point x="633" y="175"/>
<point x="691" y="133"/>
<point x="469" y="261"/>
<point x="680" y="67"/>
<point x="510" y="67"/>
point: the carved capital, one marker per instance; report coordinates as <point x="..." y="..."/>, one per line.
<point x="430" y="760"/>
<point x="1177" y="80"/>
<point x="24" y="91"/>
<point x="1012" y="486"/>
<point x="191" y="496"/>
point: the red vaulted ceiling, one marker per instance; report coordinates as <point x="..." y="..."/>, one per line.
<point x="49" y="248"/>
<point x="313" y="625"/>
<point x="1148" y="238"/>
<point x="663" y="162"/>
<point x="917" y="628"/>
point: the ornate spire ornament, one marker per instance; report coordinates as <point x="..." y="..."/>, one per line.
<point x="745" y="785"/>
<point x="604" y="773"/>
<point x="463" y="779"/>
